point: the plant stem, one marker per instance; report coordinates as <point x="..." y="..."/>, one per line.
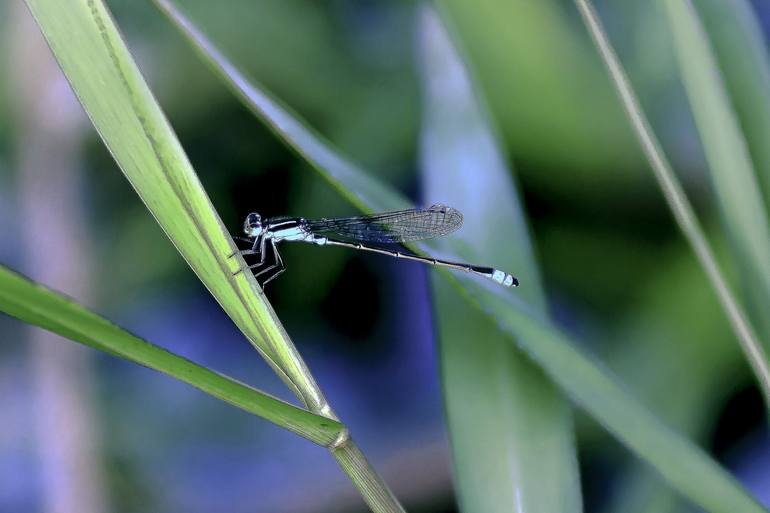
<point x="677" y="200"/>
<point x="351" y="460"/>
<point x="373" y="489"/>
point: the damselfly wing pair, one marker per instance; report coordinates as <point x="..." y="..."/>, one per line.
<point x="367" y="233"/>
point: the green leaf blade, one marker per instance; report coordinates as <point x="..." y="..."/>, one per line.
<point x="739" y="47"/>
<point x="732" y="173"/>
<point x="47" y="309"/>
<point x="94" y="58"/>
<point x="686" y="467"/>
<point x="678" y="202"/>
<point x="357" y="187"/>
<point x="509" y="426"/>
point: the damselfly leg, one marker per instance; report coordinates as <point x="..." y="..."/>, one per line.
<point x="257" y="248"/>
<point x="249" y="251"/>
<point x="270" y="263"/>
<point x="272" y="271"/>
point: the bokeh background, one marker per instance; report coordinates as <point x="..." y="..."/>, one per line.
<point x="618" y="274"/>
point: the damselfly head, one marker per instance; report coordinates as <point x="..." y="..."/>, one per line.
<point x="253" y="225"/>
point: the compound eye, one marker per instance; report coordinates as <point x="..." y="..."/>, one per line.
<point x="253" y="224"/>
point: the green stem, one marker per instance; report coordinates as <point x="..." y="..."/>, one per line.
<point x="373" y="489"/>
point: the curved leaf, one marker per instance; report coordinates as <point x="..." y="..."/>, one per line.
<point x="740" y="49"/>
<point x="732" y="172"/>
<point x="363" y="191"/>
<point x="678" y="203"/>
<point x="492" y="392"/>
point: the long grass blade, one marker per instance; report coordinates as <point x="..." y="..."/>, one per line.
<point x="685" y="466"/>
<point x="742" y="55"/>
<point x="732" y="171"/>
<point x="35" y="304"/>
<point x="523" y="52"/>
<point x="509" y="426"/>
<point x="680" y="205"/>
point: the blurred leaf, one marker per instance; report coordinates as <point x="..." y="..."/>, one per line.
<point x="685" y="466"/>
<point x="740" y="49"/>
<point x="508" y="425"/>
<point x="360" y="189"/>
<point x="543" y="83"/>
<point x="677" y="200"/>
<point x="640" y="492"/>
<point x="258" y="29"/>
<point x="43" y="307"/>
<point x="345" y="66"/>
<point x="674" y="304"/>
<point x="732" y="172"/>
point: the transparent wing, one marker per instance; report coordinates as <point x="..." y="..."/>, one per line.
<point x="392" y="227"/>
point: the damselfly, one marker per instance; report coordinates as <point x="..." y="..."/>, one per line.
<point x="358" y="232"/>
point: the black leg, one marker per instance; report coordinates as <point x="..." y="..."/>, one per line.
<point x="253" y="244"/>
<point x="265" y="274"/>
<point x="250" y="240"/>
<point x="277" y="269"/>
<point x="257" y="249"/>
<point x="266" y="265"/>
<point x="273" y="275"/>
